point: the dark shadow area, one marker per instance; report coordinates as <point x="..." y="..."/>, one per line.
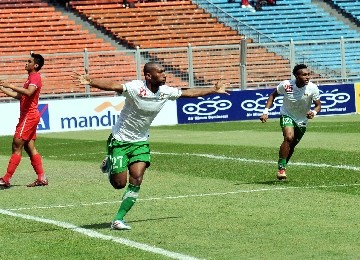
<point x="269" y="182"/>
<point x="107" y="224"/>
<point x="6" y="188"/>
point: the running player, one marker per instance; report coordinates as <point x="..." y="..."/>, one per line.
<point x="299" y="94"/>
<point x="128" y="146"/>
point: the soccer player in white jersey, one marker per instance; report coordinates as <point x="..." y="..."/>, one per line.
<point x="299" y="94"/>
<point x="128" y="146"/>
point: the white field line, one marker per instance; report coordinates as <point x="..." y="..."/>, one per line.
<point x="133" y="244"/>
<point x="245" y="160"/>
<point x="222" y="157"/>
<point x="217" y="157"/>
<point x="188" y="196"/>
<point x="157" y="250"/>
<point x="94" y="234"/>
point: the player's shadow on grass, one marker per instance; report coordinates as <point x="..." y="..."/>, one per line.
<point x="12" y="186"/>
<point x="273" y="182"/>
<point x="269" y="182"/>
<point x="107" y="224"/>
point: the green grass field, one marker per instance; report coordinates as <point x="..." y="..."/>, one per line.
<point x="210" y="193"/>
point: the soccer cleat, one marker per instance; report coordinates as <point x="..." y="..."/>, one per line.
<point x="119" y="225"/>
<point x="281" y="174"/>
<point x="4" y="184"/>
<point x="44" y="182"/>
<point x="104" y="167"/>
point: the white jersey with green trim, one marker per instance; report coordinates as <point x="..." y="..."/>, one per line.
<point x="297" y="101"/>
<point x="140" y="109"/>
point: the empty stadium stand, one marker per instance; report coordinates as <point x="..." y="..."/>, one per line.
<point x="297" y="20"/>
<point x="41" y="28"/>
<point x="34" y="25"/>
<point x="178" y="24"/>
<point x="157" y="24"/>
<point x="349" y="8"/>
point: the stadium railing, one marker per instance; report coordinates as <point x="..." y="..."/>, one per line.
<point x="248" y="65"/>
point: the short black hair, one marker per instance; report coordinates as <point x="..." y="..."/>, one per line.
<point x="150" y="66"/>
<point x="39" y="60"/>
<point x="298" y="67"/>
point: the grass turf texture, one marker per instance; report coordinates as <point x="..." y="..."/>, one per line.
<point x="210" y="193"/>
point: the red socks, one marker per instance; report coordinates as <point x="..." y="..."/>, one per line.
<point x="14" y="161"/>
<point x="13" y="164"/>
<point x="36" y="163"/>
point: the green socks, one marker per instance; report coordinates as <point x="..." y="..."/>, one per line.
<point x="282" y="163"/>
<point x="128" y="200"/>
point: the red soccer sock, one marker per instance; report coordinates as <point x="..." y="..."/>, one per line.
<point x="13" y="164"/>
<point x="36" y="163"/>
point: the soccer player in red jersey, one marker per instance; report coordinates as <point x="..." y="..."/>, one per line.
<point x="25" y="132"/>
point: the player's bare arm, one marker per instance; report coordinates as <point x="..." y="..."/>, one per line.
<point x="14" y="91"/>
<point x="218" y="88"/>
<point x="103" y="84"/>
<point x="312" y="113"/>
<point x="264" y="117"/>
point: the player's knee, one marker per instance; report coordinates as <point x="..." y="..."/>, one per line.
<point x="289" y="139"/>
<point x="117" y="184"/>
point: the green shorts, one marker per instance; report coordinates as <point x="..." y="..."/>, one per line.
<point x="286" y="121"/>
<point x="123" y="154"/>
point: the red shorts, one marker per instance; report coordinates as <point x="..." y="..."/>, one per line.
<point x="26" y="128"/>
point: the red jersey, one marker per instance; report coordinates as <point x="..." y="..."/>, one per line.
<point x="29" y="105"/>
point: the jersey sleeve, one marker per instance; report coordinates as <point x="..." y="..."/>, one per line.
<point x="174" y="93"/>
<point x="128" y="89"/>
<point x="316" y="94"/>
<point x="280" y="88"/>
<point x="35" y="80"/>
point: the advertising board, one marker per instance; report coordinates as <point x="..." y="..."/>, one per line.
<point x="249" y="105"/>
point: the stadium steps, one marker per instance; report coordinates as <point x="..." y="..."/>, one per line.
<point x="114" y="18"/>
<point x="18" y="17"/>
<point x="86" y="25"/>
<point x="297" y="20"/>
<point x="340" y="13"/>
<point x="173" y="24"/>
<point x="60" y="40"/>
<point x="350" y="10"/>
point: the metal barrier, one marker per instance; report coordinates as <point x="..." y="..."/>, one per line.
<point x="244" y="65"/>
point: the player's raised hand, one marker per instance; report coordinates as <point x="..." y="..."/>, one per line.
<point x="220" y="87"/>
<point x="81" y="79"/>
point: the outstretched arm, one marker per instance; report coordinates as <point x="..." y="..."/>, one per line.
<point x="14" y="91"/>
<point x="103" y="84"/>
<point x="264" y="117"/>
<point x="219" y="88"/>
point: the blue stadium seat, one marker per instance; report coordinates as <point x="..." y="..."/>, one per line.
<point x="299" y="20"/>
<point x="352" y="8"/>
